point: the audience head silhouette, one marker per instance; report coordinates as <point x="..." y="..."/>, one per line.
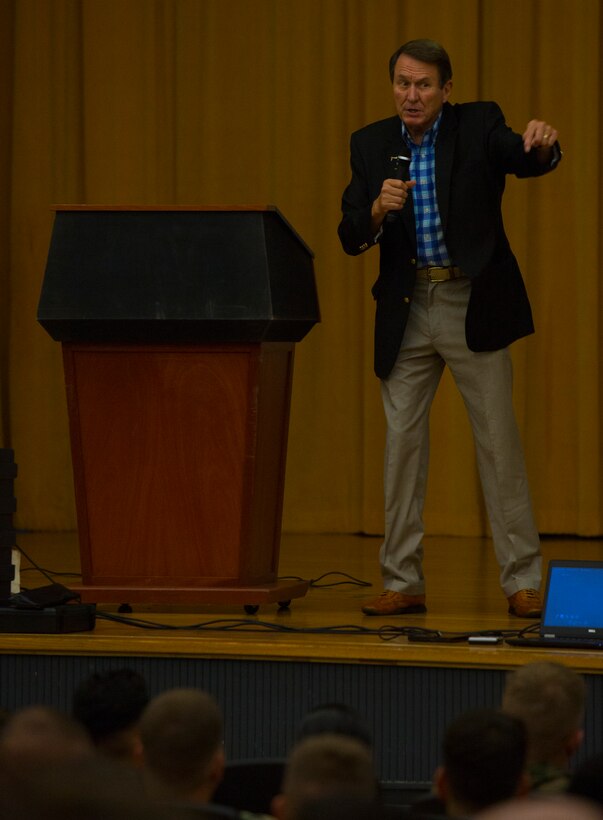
<point x="484" y="754"/>
<point x="40" y="735"/>
<point x="109" y="705"/>
<point x="181" y="732"/>
<point x="335" y="718"/>
<point x="550" y="699"/>
<point x="325" y="766"/>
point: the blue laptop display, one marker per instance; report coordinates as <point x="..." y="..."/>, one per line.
<point x="572" y="614"/>
<point x="573" y="603"/>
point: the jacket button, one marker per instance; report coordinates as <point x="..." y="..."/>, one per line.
<point x="407" y="299"/>
<point x="413" y="261"/>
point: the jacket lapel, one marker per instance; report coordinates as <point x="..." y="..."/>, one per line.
<point x="444" y="157"/>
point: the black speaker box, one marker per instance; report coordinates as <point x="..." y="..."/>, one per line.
<point x="8" y="505"/>
<point x="8" y="538"/>
<point x="56" y="619"/>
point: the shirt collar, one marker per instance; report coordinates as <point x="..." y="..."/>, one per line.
<point x="429" y="137"/>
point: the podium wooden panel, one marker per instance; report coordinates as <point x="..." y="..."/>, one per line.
<point x="178" y="447"/>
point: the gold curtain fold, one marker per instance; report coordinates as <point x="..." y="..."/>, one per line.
<point x="252" y="102"/>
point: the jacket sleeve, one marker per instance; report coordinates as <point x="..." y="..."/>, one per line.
<point x="505" y="147"/>
<point x="355" y="231"/>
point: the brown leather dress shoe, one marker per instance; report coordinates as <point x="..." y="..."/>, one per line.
<point x="394" y="603"/>
<point x="525" y="604"/>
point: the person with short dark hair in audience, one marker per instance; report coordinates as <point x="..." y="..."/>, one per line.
<point x="550" y="699"/>
<point x="325" y="766"/>
<point x="253" y="784"/>
<point x="483" y="760"/>
<point x="182" y="733"/>
<point x="109" y="705"/>
<point x="334" y="718"/>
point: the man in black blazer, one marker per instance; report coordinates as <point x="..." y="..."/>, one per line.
<point x="427" y="188"/>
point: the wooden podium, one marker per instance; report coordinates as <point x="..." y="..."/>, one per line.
<point x="178" y="328"/>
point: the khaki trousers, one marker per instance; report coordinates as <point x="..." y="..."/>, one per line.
<point x="435" y="337"/>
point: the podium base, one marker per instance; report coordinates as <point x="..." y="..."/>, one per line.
<point x="250" y="597"/>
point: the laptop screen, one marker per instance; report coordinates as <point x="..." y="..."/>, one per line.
<point x="574" y="598"/>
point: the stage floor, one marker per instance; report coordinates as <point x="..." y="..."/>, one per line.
<point x="326" y="625"/>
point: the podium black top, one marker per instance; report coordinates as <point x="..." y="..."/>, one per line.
<point x="174" y="274"/>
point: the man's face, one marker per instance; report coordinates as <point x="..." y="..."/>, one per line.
<point x="418" y="95"/>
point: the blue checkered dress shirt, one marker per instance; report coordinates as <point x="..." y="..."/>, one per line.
<point x="431" y="249"/>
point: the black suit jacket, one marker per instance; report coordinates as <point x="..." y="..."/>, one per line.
<point x="475" y="150"/>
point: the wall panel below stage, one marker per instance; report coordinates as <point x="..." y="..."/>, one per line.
<point x="263" y="701"/>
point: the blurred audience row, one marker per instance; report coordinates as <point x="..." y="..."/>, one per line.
<point x="123" y="754"/>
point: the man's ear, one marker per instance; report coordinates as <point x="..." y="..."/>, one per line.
<point x="216" y="767"/>
<point x="440" y="782"/>
<point x="137" y="751"/>
<point x="278" y="806"/>
<point x="574" y="742"/>
<point x="524" y="784"/>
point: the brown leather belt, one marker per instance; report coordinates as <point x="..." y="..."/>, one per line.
<point x="435" y="273"/>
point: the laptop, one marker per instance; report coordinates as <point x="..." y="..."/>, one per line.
<point x="572" y="613"/>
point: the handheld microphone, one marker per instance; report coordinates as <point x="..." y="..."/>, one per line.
<point x="400" y="167"/>
<point x="400" y="170"/>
